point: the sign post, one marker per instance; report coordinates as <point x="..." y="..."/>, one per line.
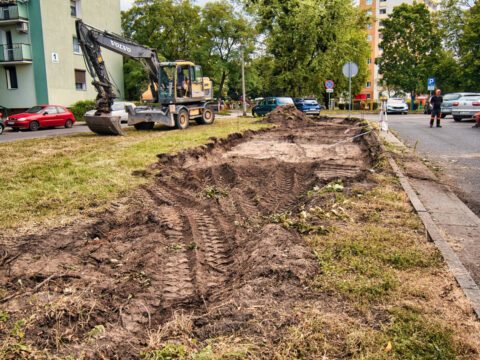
<point x="329" y="84"/>
<point x="350" y="70"/>
<point x="431" y="86"/>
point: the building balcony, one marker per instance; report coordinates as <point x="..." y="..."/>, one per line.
<point x="12" y="13"/>
<point x="15" y="54"/>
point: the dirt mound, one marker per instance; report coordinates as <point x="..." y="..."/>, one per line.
<point x="199" y="239"/>
<point x="288" y="116"/>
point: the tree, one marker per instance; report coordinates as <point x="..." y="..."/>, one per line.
<point x="307" y="42"/>
<point x="226" y="33"/>
<point x="469" y="49"/>
<point x="411" y="46"/>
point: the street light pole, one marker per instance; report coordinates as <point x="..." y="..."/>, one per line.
<point x="243" y="86"/>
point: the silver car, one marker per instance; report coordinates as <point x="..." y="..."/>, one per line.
<point x="397" y="105"/>
<point x="118" y="109"/>
<point x="466" y="107"/>
<point x="449" y="99"/>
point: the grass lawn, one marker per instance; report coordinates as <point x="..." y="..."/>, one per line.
<point x="55" y="179"/>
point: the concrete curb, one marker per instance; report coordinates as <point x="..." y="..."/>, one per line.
<point x="461" y="274"/>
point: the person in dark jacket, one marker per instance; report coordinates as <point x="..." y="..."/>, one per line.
<point x="436" y="102"/>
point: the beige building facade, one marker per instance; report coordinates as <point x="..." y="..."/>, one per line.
<point x="379" y="10"/>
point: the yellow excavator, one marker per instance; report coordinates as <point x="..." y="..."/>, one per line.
<point x="177" y="92"/>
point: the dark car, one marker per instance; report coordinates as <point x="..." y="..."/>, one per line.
<point x="270" y="103"/>
<point x="308" y="106"/>
<point x="2" y="126"/>
<point x="41" y="116"/>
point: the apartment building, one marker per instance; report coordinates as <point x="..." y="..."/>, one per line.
<point x="381" y="9"/>
<point x="40" y="58"/>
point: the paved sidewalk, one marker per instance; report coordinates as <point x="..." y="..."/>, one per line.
<point x="451" y="222"/>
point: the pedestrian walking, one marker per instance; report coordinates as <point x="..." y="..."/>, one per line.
<point x="436" y="102"/>
<point x="477" y="120"/>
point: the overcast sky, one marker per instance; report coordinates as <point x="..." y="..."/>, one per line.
<point x="126" y="4"/>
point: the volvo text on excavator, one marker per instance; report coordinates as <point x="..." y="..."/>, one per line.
<point x="177" y="92"/>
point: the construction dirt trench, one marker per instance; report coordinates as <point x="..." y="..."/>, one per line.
<point x="196" y="240"/>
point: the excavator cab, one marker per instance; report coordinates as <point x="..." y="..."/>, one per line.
<point x="179" y="82"/>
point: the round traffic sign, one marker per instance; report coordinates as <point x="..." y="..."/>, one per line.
<point x="329" y="84"/>
<point x="350" y="69"/>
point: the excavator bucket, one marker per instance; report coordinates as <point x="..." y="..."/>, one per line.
<point x="105" y="124"/>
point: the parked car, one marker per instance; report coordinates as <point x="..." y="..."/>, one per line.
<point x="270" y="103"/>
<point x="118" y="109"/>
<point x="41" y="116"/>
<point x="449" y="99"/>
<point x="397" y="106"/>
<point x="2" y="126"/>
<point x="466" y="107"/>
<point x="308" y="106"/>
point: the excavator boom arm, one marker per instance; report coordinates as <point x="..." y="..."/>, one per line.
<point x="91" y="41"/>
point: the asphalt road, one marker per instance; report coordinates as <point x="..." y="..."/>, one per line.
<point x="9" y="135"/>
<point x="455" y="148"/>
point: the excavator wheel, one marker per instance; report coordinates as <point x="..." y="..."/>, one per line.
<point x="208" y="117"/>
<point x="182" y="119"/>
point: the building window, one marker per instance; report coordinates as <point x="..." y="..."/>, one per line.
<point x="80" y="80"/>
<point x="11" y="75"/>
<point x="75" y="9"/>
<point x="368" y="96"/>
<point x="380" y="24"/>
<point x="383" y="11"/>
<point x="369" y="61"/>
<point x="369" y="84"/>
<point x="369" y="26"/>
<point x="369" y="13"/>
<point x="369" y="38"/>
<point x="368" y="2"/>
<point x="76" y="46"/>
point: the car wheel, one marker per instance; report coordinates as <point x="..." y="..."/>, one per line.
<point x="68" y="124"/>
<point x="33" y="126"/>
<point x="253" y="114"/>
<point x="1" y="129"/>
<point x="182" y="119"/>
<point x="457" y="118"/>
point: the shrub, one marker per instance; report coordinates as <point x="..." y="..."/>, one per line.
<point x="341" y="106"/>
<point x="356" y="105"/>
<point x="80" y="108"/>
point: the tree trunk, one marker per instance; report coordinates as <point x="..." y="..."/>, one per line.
<point x="412" y="99"/>
<point x="222" y="82"/>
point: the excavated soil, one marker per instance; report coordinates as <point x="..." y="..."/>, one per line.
<point x="195" y="241"/>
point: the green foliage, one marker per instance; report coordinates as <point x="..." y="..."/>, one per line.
<point x="80" y="108"/>
<point x="470" y="50"/>
<point x="213" y="192"/>
<point x="411" y="47"/>
<point x="212" y="36"/>
<point x="307" y="42"/>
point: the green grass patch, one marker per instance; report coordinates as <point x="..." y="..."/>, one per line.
<point x="46" y="178"/>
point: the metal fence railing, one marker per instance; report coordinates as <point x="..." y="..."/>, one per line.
<point x="15" y="52"/>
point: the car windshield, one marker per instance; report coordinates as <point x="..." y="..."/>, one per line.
<point x="285" y="101"/>
<point x="35" y="110"/>
<point x="450" y="97"/>
<point x="311" y="102"/>
<point x="396" y="101"/>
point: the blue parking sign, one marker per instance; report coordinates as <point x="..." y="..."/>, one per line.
<point x="431" y="83"/>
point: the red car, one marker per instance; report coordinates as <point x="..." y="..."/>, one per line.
<point x="41" y="116"/>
